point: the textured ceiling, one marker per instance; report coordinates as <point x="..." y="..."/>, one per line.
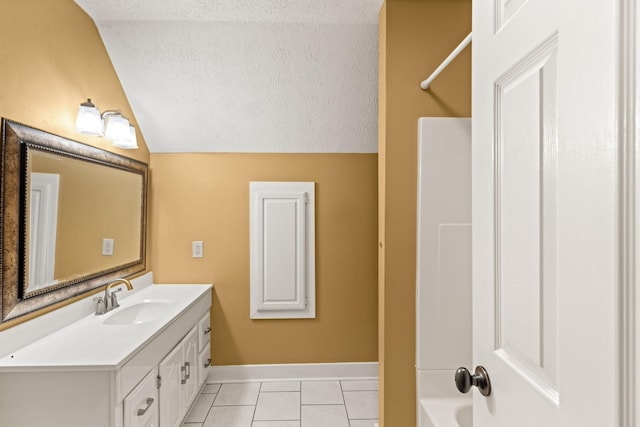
<point x="246" y="75"/>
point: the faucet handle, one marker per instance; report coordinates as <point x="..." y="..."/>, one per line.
<point x="114" y="298"/>
<point x="101" y="306"/>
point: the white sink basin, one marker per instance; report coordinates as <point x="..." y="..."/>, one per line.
<point x="142" y="312"/>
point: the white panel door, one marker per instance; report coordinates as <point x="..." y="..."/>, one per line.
<point x="545" y="211"/>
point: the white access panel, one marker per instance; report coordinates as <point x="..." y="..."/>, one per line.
<point x="282" y="250"/>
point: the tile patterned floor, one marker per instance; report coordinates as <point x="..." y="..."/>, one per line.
<point x="345" y="403"/>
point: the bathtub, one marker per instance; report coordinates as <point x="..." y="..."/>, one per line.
<point x="446" y="412"/>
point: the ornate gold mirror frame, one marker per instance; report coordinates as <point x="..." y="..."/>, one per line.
<point x="18" y="142"/>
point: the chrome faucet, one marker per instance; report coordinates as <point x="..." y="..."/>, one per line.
<point x="110" y="300"/>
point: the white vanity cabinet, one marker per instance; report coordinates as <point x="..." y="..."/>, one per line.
<point x="90" y="374"/>
<point x="177" y="381"/>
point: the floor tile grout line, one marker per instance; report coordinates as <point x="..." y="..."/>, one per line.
<point x="255" y="408"/>
<point x="254" y="413"/>
<point x="237" y="404"/>
<point x="323" y="404"/>
<point x="210" y="406"/>
<point x="345" y="403"/>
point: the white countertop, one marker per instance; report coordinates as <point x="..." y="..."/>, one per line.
<point x="89" y="344"/>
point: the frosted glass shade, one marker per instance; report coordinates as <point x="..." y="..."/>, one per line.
<point x="116" y="128"/>
<point x="110" y="124"/>
<point x="88" y="120"/>
<point x="129" y="143"/>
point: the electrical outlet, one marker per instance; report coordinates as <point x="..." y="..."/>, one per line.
<point x="107" y="247"/>
<point x="197" y="249"/>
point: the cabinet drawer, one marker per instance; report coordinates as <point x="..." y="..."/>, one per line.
<point x="204" y="361"/>
<point x="141" y="405"/>
<point x="204" y="331"/>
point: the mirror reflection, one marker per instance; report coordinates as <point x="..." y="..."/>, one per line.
<point x="83" y="217"/>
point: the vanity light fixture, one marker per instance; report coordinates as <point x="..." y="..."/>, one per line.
<point x="88" y="120"/>
<point x="111" y="125"/>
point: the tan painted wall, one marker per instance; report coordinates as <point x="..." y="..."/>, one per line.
<point x="52" y="60"/>
<point x="206" y="197"/>
<point x="416" y="35"/>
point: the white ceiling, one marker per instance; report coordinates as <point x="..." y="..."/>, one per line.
<point x="246" y="75"/>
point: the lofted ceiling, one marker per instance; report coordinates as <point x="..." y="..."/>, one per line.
<point x="246" y="75"/>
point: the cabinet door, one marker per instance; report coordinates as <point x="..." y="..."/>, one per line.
<point x="141" y="405"/>
<point x="191" y="386"/>
<point x="204" y="363"/>
<point x="171" y="374"/>
<point x="204" y="331"/>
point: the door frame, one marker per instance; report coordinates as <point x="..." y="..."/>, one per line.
<point x="629" y="133"/>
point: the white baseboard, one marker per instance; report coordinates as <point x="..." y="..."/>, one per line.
<point x="297" y="371"/>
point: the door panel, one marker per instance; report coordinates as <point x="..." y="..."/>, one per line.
<point x="525" y="217"/>
<point x="505" y="9"/>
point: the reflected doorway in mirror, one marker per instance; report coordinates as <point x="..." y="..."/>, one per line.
<point x="43" y="224"/>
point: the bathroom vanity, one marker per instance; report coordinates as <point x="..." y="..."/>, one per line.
<point x="141" y="364"/>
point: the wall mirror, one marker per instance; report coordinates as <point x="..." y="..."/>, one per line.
<point x="73" y="218"/>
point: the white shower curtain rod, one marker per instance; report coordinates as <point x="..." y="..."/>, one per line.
<point x="425" y="84"/>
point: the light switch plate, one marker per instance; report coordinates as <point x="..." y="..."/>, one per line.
<point x="197" y="249"/>
<point x="107" y="247"/>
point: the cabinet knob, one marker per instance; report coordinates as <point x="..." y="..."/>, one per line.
<point x="208" y="363"/>
<point x="207" y="330"/>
